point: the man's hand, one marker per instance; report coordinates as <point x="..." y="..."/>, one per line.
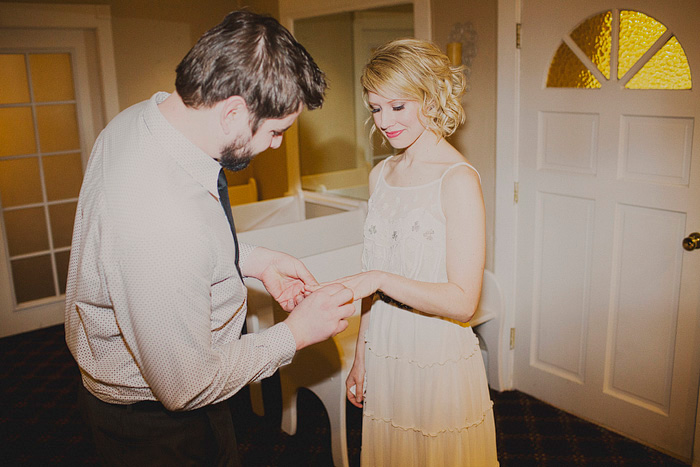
<point x="286" y="278"/>
<point x="322" y="315"/>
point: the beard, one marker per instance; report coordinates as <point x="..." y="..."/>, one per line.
<point x="236" y="156"/>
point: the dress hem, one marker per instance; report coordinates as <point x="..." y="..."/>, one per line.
<point x="428" y="433"/>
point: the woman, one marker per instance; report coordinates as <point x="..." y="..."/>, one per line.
<point x="418" y="370"/>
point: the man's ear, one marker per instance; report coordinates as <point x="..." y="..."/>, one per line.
<point x="233" y="112"/>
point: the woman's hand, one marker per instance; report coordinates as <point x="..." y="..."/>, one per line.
<point x="356" y="380"/>
<point x="363" y="284"/>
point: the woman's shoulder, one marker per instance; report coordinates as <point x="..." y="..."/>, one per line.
<point x="460" y="173"/>
<point x="454" y="165"/>
<point x="459" y="177"/>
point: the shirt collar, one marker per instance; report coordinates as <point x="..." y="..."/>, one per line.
<point x="202" y="167"/>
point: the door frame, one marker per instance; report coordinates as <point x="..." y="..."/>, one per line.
<point x="507" y="158"/>
<point x="95" y="19"/>
<point x="506" y="210"/>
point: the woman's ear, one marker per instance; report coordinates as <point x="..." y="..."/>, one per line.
<point x="233" y="112"/>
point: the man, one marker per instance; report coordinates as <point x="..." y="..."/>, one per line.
<point x="155" y="297"/>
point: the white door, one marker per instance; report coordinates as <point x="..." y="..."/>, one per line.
<point x="47" y="121"/>
<point x="607" y="299"/>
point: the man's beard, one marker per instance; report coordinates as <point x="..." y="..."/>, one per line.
<point x="236" y="156"/>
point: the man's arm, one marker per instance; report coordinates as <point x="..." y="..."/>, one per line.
<point x="322" y="315"/>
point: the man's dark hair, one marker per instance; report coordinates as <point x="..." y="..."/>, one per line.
<point x="255" y="57"/>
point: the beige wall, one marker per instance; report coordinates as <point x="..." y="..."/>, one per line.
<point x="477" y="138"/>
<point x="328" y="135"/>
<point x="151" y="37"/>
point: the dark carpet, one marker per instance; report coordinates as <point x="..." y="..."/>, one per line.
<point x="39" y="423"/>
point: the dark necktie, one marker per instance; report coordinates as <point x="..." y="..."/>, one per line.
<point x="226" y="204"/>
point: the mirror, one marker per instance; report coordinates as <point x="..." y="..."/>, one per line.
<point x="331" y="151"/>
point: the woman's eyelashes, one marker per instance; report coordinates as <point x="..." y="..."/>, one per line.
<point x="395" y="108"/>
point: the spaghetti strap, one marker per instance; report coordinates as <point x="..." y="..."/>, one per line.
<point x="450" y="168"/>
<point x="381" y="173"/>
<point x="457" y="165"/>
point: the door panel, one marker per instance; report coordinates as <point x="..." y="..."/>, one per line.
<point x="607" y="301"/>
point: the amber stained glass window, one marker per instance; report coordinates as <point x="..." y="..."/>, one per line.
<point x="648" y="55"/>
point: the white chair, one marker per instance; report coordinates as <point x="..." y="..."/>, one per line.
<point x="488" y="325"/>
<point x="323" y="368"/>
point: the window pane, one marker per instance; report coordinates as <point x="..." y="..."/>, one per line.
<point x="26" y="231"/>
<point x="62" y="217"/>
<point x="19" y="182"/>
<point x="58" y="127"/>
<point x="16" y="131"/>
<point x="667" y="69"/>
<point x="52" y="77"/>
<point x="13" y="76"/>
<point x="638" y="32"/>
<point x="62" y="258"/>
<point x="63" y="176"/>
<point x="567" y="71"/>
<point x="33" y="278"/>
<point x="594" y="38"/>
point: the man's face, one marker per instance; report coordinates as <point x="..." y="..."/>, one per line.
<point x="238" y="153"/>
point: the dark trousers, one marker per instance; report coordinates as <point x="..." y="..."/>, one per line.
<point x="146" y="434"/>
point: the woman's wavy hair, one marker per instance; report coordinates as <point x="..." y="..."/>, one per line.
<point x="420" y="71"/>
<point x="255" y="57"/>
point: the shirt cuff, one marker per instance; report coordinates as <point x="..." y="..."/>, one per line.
<point x="284" y="340"/>
<point x="244" y="250"/>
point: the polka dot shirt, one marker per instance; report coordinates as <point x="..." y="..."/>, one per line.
<point x="154" y="305"/>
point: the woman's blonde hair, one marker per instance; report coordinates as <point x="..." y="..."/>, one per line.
<point x="418" y="70"/>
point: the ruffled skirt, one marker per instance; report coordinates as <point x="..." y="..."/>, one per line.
<point x="426" y="396"/>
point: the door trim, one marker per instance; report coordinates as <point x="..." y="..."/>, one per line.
<point x="506" y="212"/>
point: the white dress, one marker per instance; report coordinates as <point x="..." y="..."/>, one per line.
<point x="426" y="396"/>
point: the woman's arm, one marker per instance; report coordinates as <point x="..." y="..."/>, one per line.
<point x="356" y="376"/>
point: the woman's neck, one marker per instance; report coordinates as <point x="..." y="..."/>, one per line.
<point x="423" y="148"/>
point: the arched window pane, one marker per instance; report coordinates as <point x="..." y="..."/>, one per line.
<point x="638" y="32"/>
<point x="667" y="69"/>
<point x="594" y="38"/>
<point x="567" y="71"/>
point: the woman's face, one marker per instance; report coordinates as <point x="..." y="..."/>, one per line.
<point x="397" y="118"/>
